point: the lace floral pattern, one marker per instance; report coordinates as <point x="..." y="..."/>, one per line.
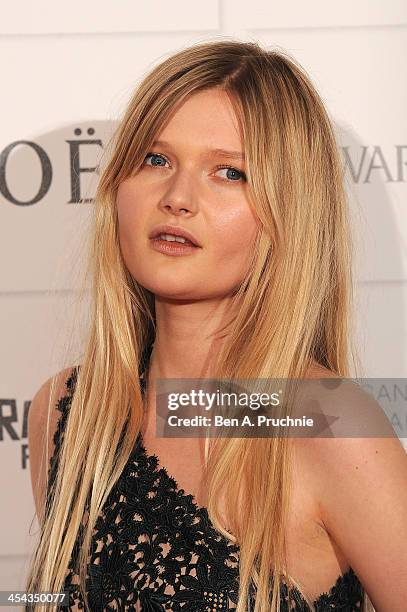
<point x="153" y="549"/>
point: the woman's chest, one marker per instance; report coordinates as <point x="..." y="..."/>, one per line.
<point x="314" y="560"/>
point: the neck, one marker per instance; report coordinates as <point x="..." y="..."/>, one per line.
<point x="189" y="336"/>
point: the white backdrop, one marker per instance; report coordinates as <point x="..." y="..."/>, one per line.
<point x="67" y="72"/>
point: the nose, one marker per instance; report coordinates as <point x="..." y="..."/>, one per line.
<point x="180" y="195"/>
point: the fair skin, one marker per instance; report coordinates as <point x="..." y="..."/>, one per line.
<point x="349" y="497"/>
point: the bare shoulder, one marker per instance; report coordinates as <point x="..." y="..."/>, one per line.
<point x="359" y="429"/>
<point x="359" y="484"/>
<point x="362" y="495"/>
<point x="43" y="417"/>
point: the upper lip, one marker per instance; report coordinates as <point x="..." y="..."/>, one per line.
<point x="175" y="230"/>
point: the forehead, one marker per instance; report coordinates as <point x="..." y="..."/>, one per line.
<point x="204" y="118"/>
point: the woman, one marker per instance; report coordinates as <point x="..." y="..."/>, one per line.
<point x="230" y="145"/>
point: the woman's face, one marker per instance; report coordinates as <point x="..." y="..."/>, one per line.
<point x="183" y="183"/>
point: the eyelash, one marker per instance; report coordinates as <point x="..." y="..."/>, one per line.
<point x="219" y="167"/>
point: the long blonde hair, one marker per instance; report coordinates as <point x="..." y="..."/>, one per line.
<point x="293" y="306"/>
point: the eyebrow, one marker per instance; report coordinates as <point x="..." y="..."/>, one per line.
<point x="221" y="152"/>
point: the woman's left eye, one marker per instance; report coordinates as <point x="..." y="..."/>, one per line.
<point x="233" y="174"/>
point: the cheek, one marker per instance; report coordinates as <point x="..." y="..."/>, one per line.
<point x="127" y="232"/>
<point x="130" y="231"/>
<point x="130" y="216"/>
<point x="126" y="204"/>
<point x="235" y="236"/>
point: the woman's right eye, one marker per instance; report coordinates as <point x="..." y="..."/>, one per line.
<point x="155" y="157"/>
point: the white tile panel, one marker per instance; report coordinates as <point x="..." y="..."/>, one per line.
<point x="381" y="313"/>
<point x="96" y="16"/>
<point x="268" y="14"/>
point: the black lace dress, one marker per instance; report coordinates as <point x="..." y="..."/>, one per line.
<point x="153" y="548"/>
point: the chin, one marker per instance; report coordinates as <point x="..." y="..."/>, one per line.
<point x="179" y="297"/>
<point x="172" y="290"/>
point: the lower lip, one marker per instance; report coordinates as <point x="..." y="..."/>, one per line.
<point x="172" y="248"/>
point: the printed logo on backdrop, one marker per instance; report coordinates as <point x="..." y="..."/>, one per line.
<point x="72" y="159"/>
<point x="363" y="163"/>
<point x="14" y="426"/>
<point x="83" y="149"/>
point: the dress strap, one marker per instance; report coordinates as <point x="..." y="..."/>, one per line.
<point x="63" y="405"/>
